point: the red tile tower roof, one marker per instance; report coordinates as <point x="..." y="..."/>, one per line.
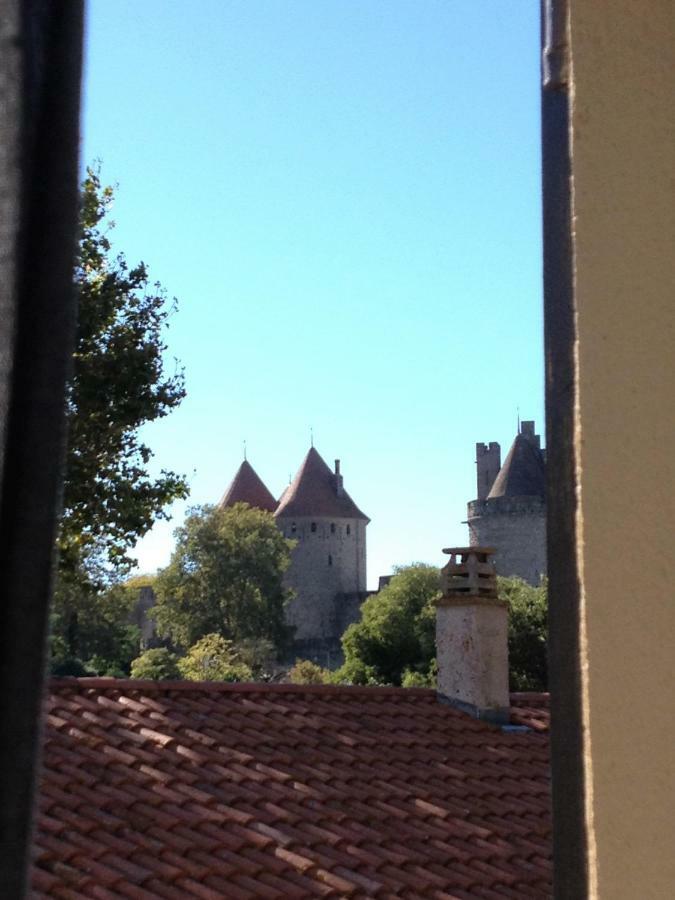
<point x="315" y="492"/>
<point x="177" y="790"/>
<point x="248" y="487"/>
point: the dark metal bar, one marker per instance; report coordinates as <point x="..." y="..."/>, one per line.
<point x="40" y="71"/>
<point x="569" y="828"/>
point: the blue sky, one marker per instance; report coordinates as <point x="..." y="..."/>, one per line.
<point x="344" y="196"/>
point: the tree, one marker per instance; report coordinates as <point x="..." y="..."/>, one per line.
<point x="118" y="384"/>
<point x="528" y="633"/>
<point x="307" y="672"/>
<point x="156" y="665"/>
<point x="429" y="679"/>
<point x="259" y="654"/>
<point x="394" y="642"/>
<point x="213" y="658"/>
<point x="92" y="630"/>
<point x="225" y="577"/>
<point x="396" y="631"/>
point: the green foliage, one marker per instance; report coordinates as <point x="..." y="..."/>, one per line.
<point x="307" y="672"/>
<point x="225" y="578"/>
<point x="355" y="671"/>
<point x="259" y="654"/>
<point x="396" y="631"/>
<point x="528" y="633"/>
<point x="117" y="385"/>
<point x="156" y="665"/>
<point x="414" y="679"/>
<point x="136" y="582"/>
<point x="427" y="679"/>
<point x="394" y="643"/>
<point x="94" y="626"/>
<point x="73" y="668"/>
<point x="213" y="658"/>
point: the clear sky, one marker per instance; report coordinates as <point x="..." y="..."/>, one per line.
<point x="344" y="196"/>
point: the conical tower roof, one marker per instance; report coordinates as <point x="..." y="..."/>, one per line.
<point x="316" y="491"/>
<point x="523" y="473"/>
<point x="248" y="487"/>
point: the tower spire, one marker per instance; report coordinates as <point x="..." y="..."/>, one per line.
<point x="244" y="449"/>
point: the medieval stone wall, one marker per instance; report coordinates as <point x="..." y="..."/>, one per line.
<point x="488" y="464"/>
<point x="328" y="560"/>
<point x="516" y="528"/>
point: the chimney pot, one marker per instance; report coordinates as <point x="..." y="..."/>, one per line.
<point x="472" y="636"/>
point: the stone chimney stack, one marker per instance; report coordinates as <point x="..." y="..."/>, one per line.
<point x="339" y="489"/>
<point x="472" y="636"/>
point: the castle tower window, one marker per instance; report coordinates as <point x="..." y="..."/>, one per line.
<point x="332" y="527"/>
<point x="293" y="528"/>
<point x="313" y="526"/>
<point x="330" y="560"/>
<point x="349" y="529"/>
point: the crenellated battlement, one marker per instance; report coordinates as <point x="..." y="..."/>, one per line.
<point x="509" y="512"/>
<point x="513" y="506"/>
<point x="488" y="464"/>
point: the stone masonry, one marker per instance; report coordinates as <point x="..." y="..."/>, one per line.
<point x="328" y="565"/>
<point x="509" y="513"/>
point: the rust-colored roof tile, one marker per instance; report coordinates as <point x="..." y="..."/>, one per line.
<point x="165" y="889"/>
<point x="256" y="888"/>
<point x="346" y="888"/>
<point x="175" y="789"/>
<point x="248" y="487"/>
<point x="101" y="872"/>
<point x="196" y="889"/>
<point x="313" y="492"/>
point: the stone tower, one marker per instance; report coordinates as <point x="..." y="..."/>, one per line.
<point x="328" y="567"/>
<point x="509" y="513"/>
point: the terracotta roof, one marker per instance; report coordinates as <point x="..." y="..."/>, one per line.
<point x="523" y="473"/>
<point x="176" y="790"/>
<point x="248" y="487"/>
<point x="313" y="492"/>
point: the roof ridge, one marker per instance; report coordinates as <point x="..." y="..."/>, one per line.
<point x="230" y="687"/>
<point x="248" y="687"/>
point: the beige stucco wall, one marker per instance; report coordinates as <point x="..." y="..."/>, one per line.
<point x="472" y="654"/>
<point x="624" y="192"/>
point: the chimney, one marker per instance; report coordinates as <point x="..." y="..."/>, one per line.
<point x="339" y="490"/>
<point x="472" y="636"/>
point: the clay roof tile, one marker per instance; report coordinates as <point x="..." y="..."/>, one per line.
<point x="296" y="791"/>
<point x="248" y="487"/>
<point x="315" y="492"/>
